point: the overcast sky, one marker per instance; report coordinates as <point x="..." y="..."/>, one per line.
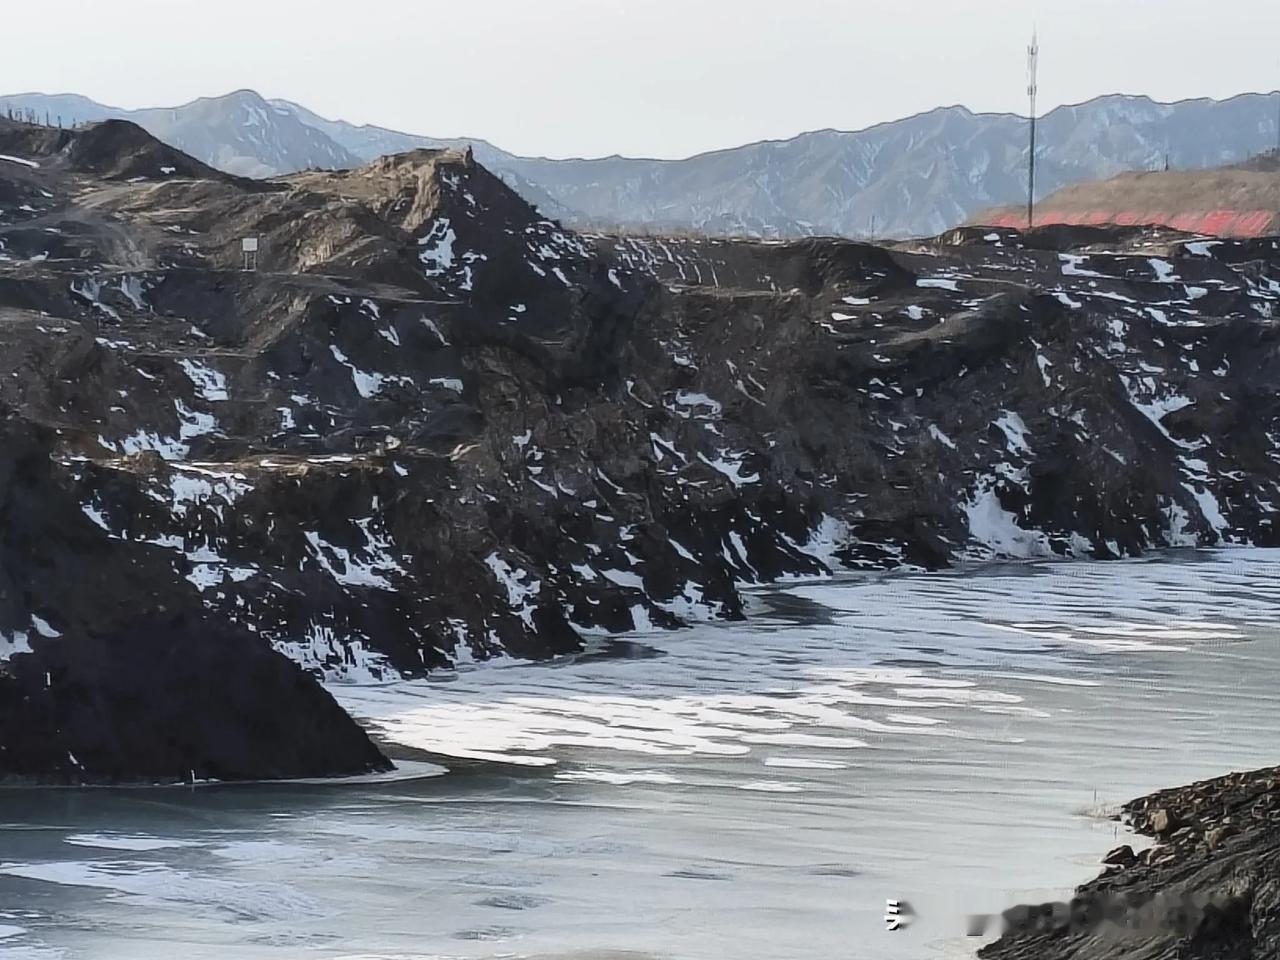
<point x="661" y="78"/>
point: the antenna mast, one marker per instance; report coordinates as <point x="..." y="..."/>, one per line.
<point x="1033" y="62"/>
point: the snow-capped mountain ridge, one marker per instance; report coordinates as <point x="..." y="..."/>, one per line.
<point x="915" y="176"/>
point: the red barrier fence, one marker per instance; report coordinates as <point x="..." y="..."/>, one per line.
<point x="1224" y="223"/>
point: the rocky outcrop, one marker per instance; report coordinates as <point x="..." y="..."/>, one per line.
<point x="1209" y="889"/>
<point x="111" y="672"/>
<point x="435" y="427"/>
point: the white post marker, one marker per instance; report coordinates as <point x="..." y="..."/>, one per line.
<point x="893" y="914"/>
<point x="897" y="914"/>
<point x="249" y="248"/>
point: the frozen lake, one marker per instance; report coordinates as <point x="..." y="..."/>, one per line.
<point x="751" y="790"/>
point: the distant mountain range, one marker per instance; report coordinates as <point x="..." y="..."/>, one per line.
<point x="912" y="177"/>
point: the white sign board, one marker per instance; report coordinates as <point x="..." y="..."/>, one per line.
<point x="249" y="244"/>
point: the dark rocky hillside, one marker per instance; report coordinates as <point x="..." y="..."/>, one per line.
<point x="1208" y="890"/>
<point x="435" y="427"/>
<point x="111" y="671"/>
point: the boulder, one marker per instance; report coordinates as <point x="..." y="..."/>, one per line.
<point x="1121" y="856"/>
<point x="1162" y="822"/>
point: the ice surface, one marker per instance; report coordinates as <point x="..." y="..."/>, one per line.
<point x="809" y="696"/>
<point x="126" y="842"/>
<point x="795" y="760"/>
<point x="158" y="885"/>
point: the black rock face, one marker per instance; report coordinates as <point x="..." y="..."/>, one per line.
<point x="114" y="673"/>
<point x="1210" y="889"/>
<point x="168" y="702"/>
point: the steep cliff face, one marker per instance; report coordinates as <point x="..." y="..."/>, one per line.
<point x="433" y="426"/>
<point x="110" y="670"/>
